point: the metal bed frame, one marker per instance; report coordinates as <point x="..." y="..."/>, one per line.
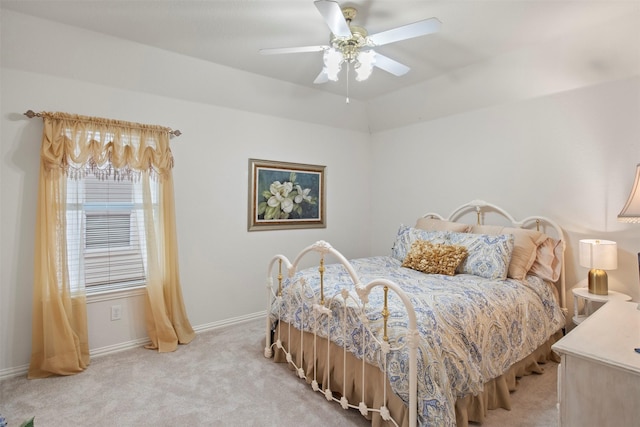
<point x="359" y="295"/>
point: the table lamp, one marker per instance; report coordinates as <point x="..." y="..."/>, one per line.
<point x="598" y="255"/>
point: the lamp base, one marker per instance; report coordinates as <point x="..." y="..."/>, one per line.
<point x="598" y="282"/>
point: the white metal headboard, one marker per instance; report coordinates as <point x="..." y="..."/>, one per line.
<point x="481" y="207"/>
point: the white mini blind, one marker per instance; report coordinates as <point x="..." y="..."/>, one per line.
<point x="105" y="233"/>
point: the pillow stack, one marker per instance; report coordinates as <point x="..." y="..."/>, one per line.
<point x="436" y="246"/>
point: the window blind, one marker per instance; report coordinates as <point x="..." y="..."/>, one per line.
<point x="105" y="233"/>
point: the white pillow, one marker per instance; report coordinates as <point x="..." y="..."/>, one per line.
<point x="433" y="224"/>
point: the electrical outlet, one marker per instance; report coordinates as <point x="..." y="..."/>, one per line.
<point x="116" y="312"/>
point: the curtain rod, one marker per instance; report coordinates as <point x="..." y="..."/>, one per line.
<point x="31" y="114"/>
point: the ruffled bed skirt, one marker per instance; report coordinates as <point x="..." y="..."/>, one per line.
<point x="348" y="382"/>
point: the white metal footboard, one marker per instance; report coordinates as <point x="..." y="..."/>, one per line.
<point x="320" y="308"/>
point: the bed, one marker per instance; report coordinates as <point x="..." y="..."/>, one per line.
<point x="433" y="334"/>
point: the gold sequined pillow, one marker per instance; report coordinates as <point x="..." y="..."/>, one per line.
<point x="434" y="258"/>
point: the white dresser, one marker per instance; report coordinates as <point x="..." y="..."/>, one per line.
<point x="599" y="374"/>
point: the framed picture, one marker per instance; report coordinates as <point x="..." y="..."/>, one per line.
<point x="285" y="195"/>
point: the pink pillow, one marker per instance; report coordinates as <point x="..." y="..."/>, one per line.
<point x="548" y="264"/>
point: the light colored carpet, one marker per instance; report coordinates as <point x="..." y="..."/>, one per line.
<point x="220" y="379"/>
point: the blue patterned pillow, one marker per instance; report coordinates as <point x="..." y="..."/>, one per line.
<point x="407" y="235"/>
<point x="489" y="256"/>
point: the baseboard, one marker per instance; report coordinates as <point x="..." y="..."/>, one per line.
<point x="13" y="372"/>
<point x="229" y="322"/>
<point x="110" y="349"/>
<point x="116" y="348"/>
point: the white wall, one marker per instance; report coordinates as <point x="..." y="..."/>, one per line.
<point x="570" y="156"/>
<point x="222" y="265"/>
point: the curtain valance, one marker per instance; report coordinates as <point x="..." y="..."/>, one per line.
<point x="75" y="143"/>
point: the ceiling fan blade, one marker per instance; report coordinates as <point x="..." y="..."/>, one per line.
<point x="417" y="29"/>
<point x="322" y="78"/>
<point x="390" y="65"/>
<point x="301" y="49"/>
<point x="332" y="14"/>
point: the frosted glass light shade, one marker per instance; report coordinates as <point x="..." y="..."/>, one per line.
<point x="598" y="254"/>
<point x="364" y="64"/>
<point x="333" y="60"/>
<point x="631" y="210"/>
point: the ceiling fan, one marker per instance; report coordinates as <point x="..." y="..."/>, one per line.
<point x="353" y="45"/>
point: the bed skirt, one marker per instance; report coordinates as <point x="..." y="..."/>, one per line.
<point x="496" y="393"/>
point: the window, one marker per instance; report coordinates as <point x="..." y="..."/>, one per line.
<point x="105" y="232"/>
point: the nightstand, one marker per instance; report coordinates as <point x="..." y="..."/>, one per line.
<point x="589" y="299"/>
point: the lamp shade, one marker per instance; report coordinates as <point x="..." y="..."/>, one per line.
<point x="599" y="254"/>
<point x="631" y="210"/>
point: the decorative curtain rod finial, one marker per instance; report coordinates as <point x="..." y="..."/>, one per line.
<point x="31" y="114"/>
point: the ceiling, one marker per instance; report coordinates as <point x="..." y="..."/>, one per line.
<point x="231" y="32"/>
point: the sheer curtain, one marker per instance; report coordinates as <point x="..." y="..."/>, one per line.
<point x="74" y="145"/>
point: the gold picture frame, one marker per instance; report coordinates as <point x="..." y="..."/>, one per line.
<point x="285" y="195"/>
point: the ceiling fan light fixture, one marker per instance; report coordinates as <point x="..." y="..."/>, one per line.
<point x="353" y="44"/>
<point x="333" y="60"/>
<point x="364" y="64"/>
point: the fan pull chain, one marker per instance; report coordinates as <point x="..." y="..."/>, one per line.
<point x="348" y="68"/>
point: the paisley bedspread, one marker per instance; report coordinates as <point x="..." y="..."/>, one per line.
<point x="472" y="329"/>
